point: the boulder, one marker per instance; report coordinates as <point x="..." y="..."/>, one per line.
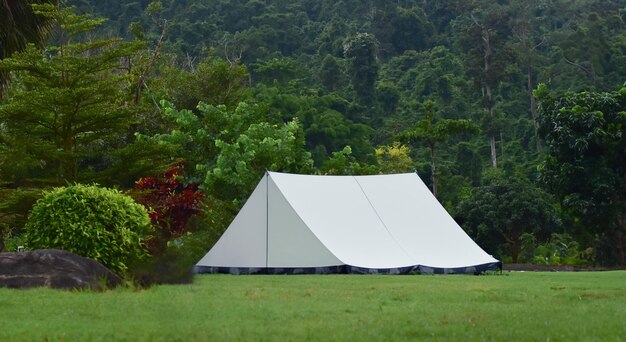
<point x="55" y="269"/>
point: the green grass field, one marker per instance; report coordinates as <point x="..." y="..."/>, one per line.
<point x="509" y="307"/>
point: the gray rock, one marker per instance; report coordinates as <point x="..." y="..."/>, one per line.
<point x="55" y="269"/>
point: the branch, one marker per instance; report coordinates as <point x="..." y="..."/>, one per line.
<point x="505" y="236"/>
<point x="543" y="40"/>
<point x="153" y="59"/>
<point x="190" y="63"/>
<point x="475" y="20"/>
<point x="581" y="67"/>
<point x="156" y="104"/>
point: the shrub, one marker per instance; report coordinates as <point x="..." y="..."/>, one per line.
<point x="175" y="264"/>
<point x="14" y="207"/>
<point x="11" y="242"/>
<point x="98" y="223"/>
<point x="171" y="203"/>
<point x="560" y="249"/>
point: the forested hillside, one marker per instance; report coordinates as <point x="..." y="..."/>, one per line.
<point x="513" y="112"/>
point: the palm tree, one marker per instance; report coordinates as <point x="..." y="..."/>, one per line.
<point x="20" y="25"/>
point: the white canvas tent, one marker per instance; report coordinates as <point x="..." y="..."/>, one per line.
<point x="344" y="224"/>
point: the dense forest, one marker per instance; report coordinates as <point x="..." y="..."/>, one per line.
<point x="512" y="112"/>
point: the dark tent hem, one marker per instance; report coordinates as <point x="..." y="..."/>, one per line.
<point x="347" y="269"/>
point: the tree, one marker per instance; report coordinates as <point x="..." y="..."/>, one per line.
<point x="482" y="34"/>
<point x="411" y="30"/>
<point x="330" y="73"/>
<point x="228" y="150"/>
<point x="192" y="136"/>
<point x="431" y="133"/>
<point x="323" y="119"/>
<point x="343" y="163"/>
<point x="394" y="158"/>
<point x="585" y="163"/>
<point x="524" y="26"/>
<point x="586" y="51"/>
<point x="213" y="81"/>
<point x="327" y="130"/>
<point x="68" y="105"/>
<point x="361" y="51"/>
<point x="259" y="148"/>
<point x="145" y="68"/>
<point x="20" y="25"/>
<point x="276" y="70"/>
<point x="501" y="211"/>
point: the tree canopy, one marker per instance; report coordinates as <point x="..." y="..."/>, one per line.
<point x="232" y="88"/>
<point x="586" y="161"/>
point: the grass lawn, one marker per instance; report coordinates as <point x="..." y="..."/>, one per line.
<point x="513" y="306"/>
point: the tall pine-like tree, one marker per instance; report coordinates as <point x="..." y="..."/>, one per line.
<point x="68" y="103"/>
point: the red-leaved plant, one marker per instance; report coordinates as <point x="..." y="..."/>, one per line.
<point x="170" y="203"/>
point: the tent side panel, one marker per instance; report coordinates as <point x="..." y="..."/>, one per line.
<point x="421" y="224"/>
<point x="291" y="244"/>
<point x="243" y="244"/>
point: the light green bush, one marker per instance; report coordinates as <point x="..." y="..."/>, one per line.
<point x="95" y="222"/>
<point x="560" y="249"/>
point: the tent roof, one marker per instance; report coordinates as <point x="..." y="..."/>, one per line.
<point x="366" y="222"/>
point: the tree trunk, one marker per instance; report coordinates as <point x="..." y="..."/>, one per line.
<point x="494" y="158"/>
<point x="514" y="242"/>
<point x="516" y="250"/>
<point x="533" y="106"/>
<point x="69" y="166"/>
<point x="522" y="32"/>
<point x="433" y="170"/>
<point x="3" y="81"/>
<point x="489" y="93"/>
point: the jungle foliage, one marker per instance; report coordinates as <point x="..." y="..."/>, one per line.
<point x="510" y="111"/>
